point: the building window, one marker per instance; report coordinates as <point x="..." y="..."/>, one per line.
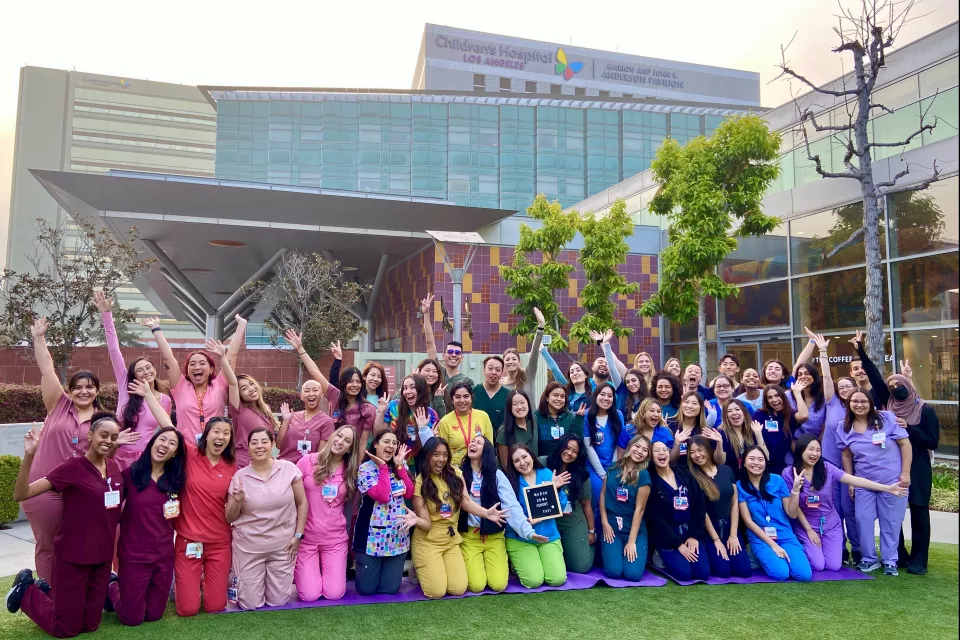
<point x="479" y="82"/>
<point x="925" y="290"/>
<point x="555" y="89"/>
<point x="757" y="258"/>
<point x="628" y="95"/>
<point x="925" y="221"/>
<point x="833" y="301"/>
<point x="504" y="84"/>
<point x="817" y="241"/>
<point x="579" y="91"/>
<point x="763" y="305"/>
<point x="933" y="356"/>
<point x="530" y="86"/>
<point x="604" y="94"/>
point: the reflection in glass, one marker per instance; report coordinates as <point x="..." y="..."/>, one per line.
<point x="840" y="353"/>
<point x="833" y="301"/>
<point x="823" y="240"/>
<point x="758" y="306"/>
<point x="757" y="258"/>
<point x="923" y="221"/>
<point x="935" y="361"/>
<point x="688" y="331"/>
<point x="690" y="353"/>
<point x="926" y="290"/>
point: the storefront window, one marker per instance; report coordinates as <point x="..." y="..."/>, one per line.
<point x="833" y="301"/>
<point x="923" y="221"/>
<point x="689" y="353"/>
<point x="935" y="361"/>
<point x="757" y="306"/>
<point x="757" y="258"/>
<point x="818" y="241"/>
<point x="925" y="290"/>
<point x="840" y="353"/>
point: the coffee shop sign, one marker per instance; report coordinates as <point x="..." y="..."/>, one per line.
<point x="637" y="74"/>
<point x="849" y="359"/>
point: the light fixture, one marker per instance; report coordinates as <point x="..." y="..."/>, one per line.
<point x="227" y="243"/>
<point x="196" y="270"/>
<point x="223" y="293"/>
<point x="348" y="268"/>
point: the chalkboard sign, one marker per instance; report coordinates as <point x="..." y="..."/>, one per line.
<point x="542" y="502"/>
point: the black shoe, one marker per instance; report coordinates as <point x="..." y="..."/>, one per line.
<point x="20" y="583"/>
<point x="857" y="556"/>
<point x="846" y="556"/>
<point x="902" y="564"/>
<point x="917" y="571"/>
<point x="43" y="585"/>
<point x="107" y="603"/>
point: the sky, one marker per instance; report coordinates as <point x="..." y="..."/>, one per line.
<point x="373" y="43"/>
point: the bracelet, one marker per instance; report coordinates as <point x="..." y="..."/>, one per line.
<point x="155" y="329"/>
<point x="717" y="539"/>
<point x="301" y="353"/>
<point x="593" y="531"/>
<point x="794" y="493"/>
<point x="540" y="328"/>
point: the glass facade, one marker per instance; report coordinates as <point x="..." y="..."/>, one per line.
<point x="487" y="155"/>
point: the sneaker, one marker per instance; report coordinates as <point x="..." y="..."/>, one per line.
<point x="866" y="566"/>
<point x="857" y="557"/>
<point x="20" y="583"/>
<point x="43" y="585"/>
<point x="917" y="571"/>
<point x="108" y="603"/>
<point x="890" y="570"/>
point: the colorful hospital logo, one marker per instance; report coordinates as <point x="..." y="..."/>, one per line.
<point x="564" y="68"/>
<point x="124" y="84"/>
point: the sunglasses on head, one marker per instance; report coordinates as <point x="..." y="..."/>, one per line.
<point x="454" y="352"/>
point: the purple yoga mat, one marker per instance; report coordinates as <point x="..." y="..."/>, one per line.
<point x="758" y="577"/>
<point x="410" y="592"/>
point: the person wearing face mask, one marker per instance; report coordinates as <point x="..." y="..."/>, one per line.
<point x="675" y="518"/>
<point x="667" y="392"/>
<point x="438" y="498"/>
<point x="692" y="421"/>
<point x="381" y="537"/>
<point x="554" y="419"/>
<point x="490" y="396"/>
<point x="577" y="526"/>
<point x="482" y="546"/>
<point x="304" y="432"/>
<point x="409" y="415"/>
<point x="536" y="559"/>
<point x="519" y="427"/>
<point x="648" y="422"/>
<point x="248" y="410"/>
<point x="780" y="422"/>
<point x="64" y="438"/>
<point x="90" y="486"/>
<point x="198" y="391"/>
<point x="329" y="482"/>
<point x="718" y="483"/>
<point x="133" y="413"/>
<point x="578" y="381"/>
<point x="740" y="432"/>
<point x="879" y="449"/>
<point x="623" y="500"/>
<point x="459" y="426"/>
<point x="751" y="395"/>
<point x="818" y="525"/>
<point x="767" y="503"/>
<point x="515" y="376"/>
<point x="152" y="487"/>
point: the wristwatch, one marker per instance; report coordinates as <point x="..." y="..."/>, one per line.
<point x="592" y="531"/>
<point x="298" y="536"/>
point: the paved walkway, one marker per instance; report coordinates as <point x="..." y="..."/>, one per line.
<point x="16" y="543"/>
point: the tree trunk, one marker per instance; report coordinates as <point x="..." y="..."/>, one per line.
<point x="702" y="334"/>
<point x="299" y="374"/>
<point x="873" y="302"/>
<point x="63" y="367"/>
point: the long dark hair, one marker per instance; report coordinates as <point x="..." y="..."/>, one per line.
<point x="131" y="412"/>
<point x="229" y="452"/>
<point x="432" y="388"/>
<point x="707" y="485"/>
<point x="642" y="393"/>
<point x="873" y="416"/>
<point x="577" y="469"/>
<point x="788" y="411"/>
<point x="382" y="388"/>
<point x="428" y="489"/>
<point x="342" y="385"/>
<point x="819" y="468"/>
<point x="614" y="420"/>
<point x="783" y="369"/>
<point x="372" y="449"/>
<point x="744" y="476"/>
<point x="510" y="421"/>
<point x="174" y="470"/>
<point x="488" y="472"/>
<point x="405" y="413"/>
<point x="674" y="384"/>
<point x="94" y="380"/>
<point x="587" y="374"/>
<point x="544" y="408"/>
<point x="816" y="387"/>
<point x="512" y="474"/>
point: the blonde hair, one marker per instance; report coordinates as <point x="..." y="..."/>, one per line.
<point x="260" y="405"/>
<point x="633" y="475"/>
<point x="351" y="461"/>
<point x="648" y="377"/>
<point x="520" y="378"/>
<point x="707" y="485"/>
<point x="740" y="438"/>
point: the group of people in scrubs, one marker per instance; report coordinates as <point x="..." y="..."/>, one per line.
<point x="195" y="482"/>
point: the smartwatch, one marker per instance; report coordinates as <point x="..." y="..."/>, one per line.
<point x="298" y="536"/>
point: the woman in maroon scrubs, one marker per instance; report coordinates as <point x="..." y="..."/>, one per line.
<point x="90" y="486"/>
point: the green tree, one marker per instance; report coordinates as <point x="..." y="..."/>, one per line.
<point x="604" y="249"/>
<point x="534" y="285"/>
<point x="705" y="188"/>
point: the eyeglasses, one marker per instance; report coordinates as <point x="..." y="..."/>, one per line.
<point x="722" y="386"/>
<point x="454" y="352"/>
<point x="142" y="370"/>
<point x="859" y="402"/>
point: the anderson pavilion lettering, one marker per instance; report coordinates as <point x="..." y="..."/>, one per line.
<point x="636" y="74"/>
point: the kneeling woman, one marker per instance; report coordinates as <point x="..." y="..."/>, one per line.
<point x="766" y="506"/>
<point x="577" y="533"/>
<point x="268" y="510"/>
<point x="622" y="503"/>
<point x="541" y="559"/>
<point x="90" y="487"/>
<point x="675" y="516"/>
<point x="818" y="525"/>
<point x="439" y="496"/>
<point x="483" y="548"/>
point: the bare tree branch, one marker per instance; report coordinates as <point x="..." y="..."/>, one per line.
<point x="854" y="237"/>
<point x="902" y="143"/>
<point x="883" y="188"/>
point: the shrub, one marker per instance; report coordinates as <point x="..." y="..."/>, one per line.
<point x="9" y="508"/>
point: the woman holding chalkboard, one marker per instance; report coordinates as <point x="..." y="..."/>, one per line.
<point x="536" y="562"/>
<point x="577" y="533"/>
<point x="483" y="547"/>
<point x="622" y="503"/>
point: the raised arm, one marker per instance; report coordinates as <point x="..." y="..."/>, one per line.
<point x="880" y="390"/>
<point x="170" y="364"/>
<point x="105" y="306"/>
<point x="238" y="341"/>
<point x="617" y="369"/>
<point x="142" y="389"/>
<point x="337" y="352"/>
<point x="803" y="411"/>
<point x="23" y="489"/>
<point x="805" y="354"/>
<point x="50" y="386"/>
<point x="533" y="361"/>
<point x="552" y="365"/>
<point x="216" y="347"/>
<point x="311" y="367"/>
<point x="822" y="344"/>
<point x="426" y="307"/>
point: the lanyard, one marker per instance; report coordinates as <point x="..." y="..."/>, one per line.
<point x="466" y="441"/>
<point x="200" y="396"/>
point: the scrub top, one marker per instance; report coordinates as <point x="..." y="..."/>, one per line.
<point x="245" y="420"/>
<point x="494" y="406"/>
<point x="268" y="515"/>
<point x="778" y="443"/>
<point x="526" y="436"/>
<point x="660" y="434"/>
<point x="63" y="438"/>
<point x="204" y="498"/>
<point x="768" y="513"/>
<point x="551" y="429"/>
<point x="668" y="411"/>
<point x="720" y="508"/>
<point x="814" y="422"/>
<point x="620" y="499"/>
<point x="817" y="504"/>
<point x="319" y="428"/>
<point x="545" y="528"/>
<point x="444" y="517"/>
<point x="573" y="513"/>
<point x="326" y="523"/>
<point x="145" y="535"/>
<point x="876" y="455"/>
<point x="836" y="412"/>
<point x="392" y="419"/>
<point x="378" y="530"/>
<point x="459" y="431"/>
<point x="362" y="414"/>
<point x="755" y="405"/>
<point x="604" y="441"/>
<point x="89" y="529"/>
<point x="681" y="517"/>
<point x="194" y="409"/>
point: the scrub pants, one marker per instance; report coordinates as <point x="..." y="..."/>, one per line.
<point x="890" y="510"/>
<point x="679" y="568"/>
<point x="213" y="566"/>
<point x="264" y="578"/>
<point x="321" y="570"/>
<point x="829" y="555"/>
<point x="846" y="507"/>
<point x="379" y="574"/>
<point x="920" y="538"/>
<point x="75" y="603"/>
<point x="738" y="565"/>
<point x="141" y="591"/>
<point x="578" y="553"/>
<point x="778" y="568"/>
<point x="615" y="563"/>
<point x="537" y="563"/>
<point x="485" y="558"/>
<point x="45" y="513"/>
<point x="440" y="568"/>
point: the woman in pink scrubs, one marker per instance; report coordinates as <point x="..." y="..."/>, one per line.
<point x="64" y="437"/>
<point x="248" y="411"/>
<point x="329" y="481"/>
<point x="198" y="392"/>
<point x="304" y="432"/>
<point x="131" y="410"/>
<point x="268" y="510"/>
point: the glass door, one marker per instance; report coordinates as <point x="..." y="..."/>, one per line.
<point x="753" y="352"/>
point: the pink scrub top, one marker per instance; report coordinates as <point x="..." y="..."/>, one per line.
<point x="62" y="438"/>
<point x="246" y="420"/>
<point x="268" y="516"/>
<point x="319" y="428"/>
<point x="326" y="523"/>
<point x="188" y="412"/>
<point x="362" y="414"/>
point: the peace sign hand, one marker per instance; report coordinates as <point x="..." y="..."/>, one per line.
<point x="420" y="415"/>
<point x="857" y="339"/>
<point x="906" y="369"/>
<point x="237" y="492"/>
<point x="426" y="304"/>
<point x="382" y="403"/>
<point x="582" y="410"/>
<point x="336" y="350"/>
<point x="797" y="481"/>
<point x="440" y="391"/>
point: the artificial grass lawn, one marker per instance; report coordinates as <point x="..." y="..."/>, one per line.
<point x="903" y="607"/>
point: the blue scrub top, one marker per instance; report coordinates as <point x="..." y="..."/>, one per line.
<point x="545" y="528"/>
<point x="604" y="443"/>
<point x="768" y="513"/>
<point x="660" y="434"/>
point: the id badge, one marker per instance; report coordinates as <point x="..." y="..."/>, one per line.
<point x="171" y="509"/>
<point x="445" y="510"/>
<point x="771" y="425"/>
<point x="813" y="502"/>
<point x="198" y="436"/>
<point x="555" y="432"/>
<point x="304" y="446"/>
<point x="74" y="440"/>
<point x="681" y="503"/>
<point x="475" y="488"/>
<point x="194" y="550"/>
<point x="622" y="494"/>
<point x="329" y="492"/>
<point x="683" y="448"/>
<point x="397" y="487"/>
<point x="598" y="438"/>
<point x="411" y="433"/>
<point x="879" y="437"/>
<point x="111" y="499"/>
<point x="771" y="532"/>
